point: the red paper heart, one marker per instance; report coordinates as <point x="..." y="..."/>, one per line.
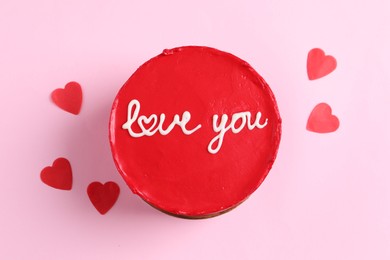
<point x="59" y="175"/>
<point x="103" y="196"/>
<point x="321" y="119"/>
<point x="319" y="64"/>
<point x="69" y="98"/>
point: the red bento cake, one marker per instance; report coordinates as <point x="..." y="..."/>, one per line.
<point x="194" y="131"/>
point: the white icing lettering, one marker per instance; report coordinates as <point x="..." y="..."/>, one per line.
<point x="133" y="110"/>
<point x="153" y="124"/>
<point x="222" y="128"/>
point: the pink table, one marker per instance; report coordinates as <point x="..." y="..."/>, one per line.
<point x="327" y="196"/>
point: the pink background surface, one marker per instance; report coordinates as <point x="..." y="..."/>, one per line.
<point x="328" y="195"/>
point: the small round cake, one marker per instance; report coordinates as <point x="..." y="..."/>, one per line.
<point x="194" y="131"/>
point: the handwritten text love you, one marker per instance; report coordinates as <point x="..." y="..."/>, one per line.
<point x="153" y="124"/>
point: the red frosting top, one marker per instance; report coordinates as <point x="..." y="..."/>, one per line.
<point x="194" y="131"/>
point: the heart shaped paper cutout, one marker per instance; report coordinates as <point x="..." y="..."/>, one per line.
<point x="319" y="64"/>
<point x="321" y="119"/>
<point x="59" y="175"/>
<point x="69" y="98"/>
<point x="103" y="196"/>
